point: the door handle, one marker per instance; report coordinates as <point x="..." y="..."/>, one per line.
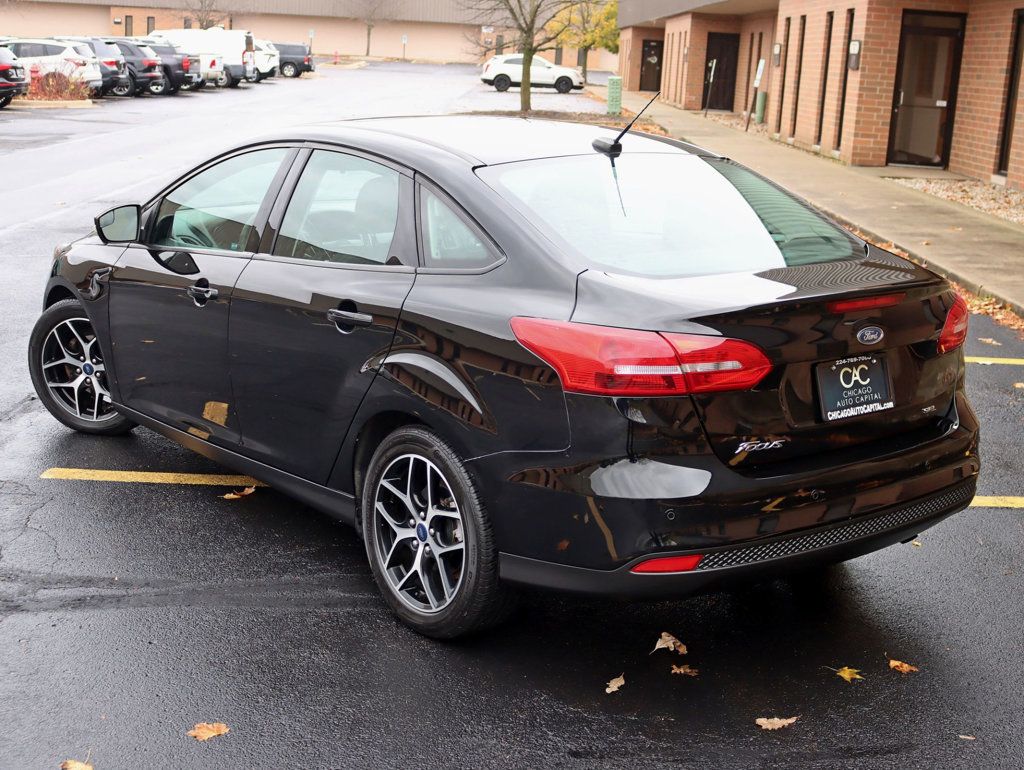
<point x="201" y="294"/>
<point x="349" y="317"/>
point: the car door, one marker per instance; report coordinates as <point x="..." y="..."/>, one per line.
<point x="170" y="293"/>
<point x="541" y="72"/>
<point x="316" y="310"/>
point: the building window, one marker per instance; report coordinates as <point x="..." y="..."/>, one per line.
<point x="150" y="24"/>
<point x="799" y="71"/>
<point x="187" y="23"/>
<point x="129" y="26"/>
<point x="845" y="78"/>
<point x="824" y="76"/>
<point x="782" y="85"/>
<point x="1010" y="113"/>
<point x="558" y="56"/>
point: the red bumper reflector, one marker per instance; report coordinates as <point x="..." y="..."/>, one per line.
<point x="669" y="564"/>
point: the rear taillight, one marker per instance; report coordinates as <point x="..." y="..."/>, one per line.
<point x="954" y="330"/>
<point x="305" y="60"/>
<point x="150" y="62"/>
<point x="607" y="361"/>
<point x="840" y="306"/>
<point x="110" y="63"/>
<point x="185" y="64"/>
<point x="662" y="564"/>
<point x="5" y="67"/>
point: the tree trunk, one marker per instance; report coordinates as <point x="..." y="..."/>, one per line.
<point x="369" y="31"/>
<point x="524" y="81"/>
<point x="586" y="55"/>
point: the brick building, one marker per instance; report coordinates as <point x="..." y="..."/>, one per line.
<point x="871" y="82"/>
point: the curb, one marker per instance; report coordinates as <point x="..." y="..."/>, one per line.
<point x="43" y="104"/>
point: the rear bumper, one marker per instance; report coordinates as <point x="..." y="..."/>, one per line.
<point x="16" y="89"/>
<point x="758" y="559"/>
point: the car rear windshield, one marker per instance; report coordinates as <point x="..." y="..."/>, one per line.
<point x="84" y="50"/>
<point x="668" y="214"/>
<point x="105" y="50"/>
<point x="6" y="55"/>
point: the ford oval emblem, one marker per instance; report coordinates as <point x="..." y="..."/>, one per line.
<point x="870" y="335"/>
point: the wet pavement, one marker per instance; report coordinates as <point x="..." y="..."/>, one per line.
<point x="131" y="611"/>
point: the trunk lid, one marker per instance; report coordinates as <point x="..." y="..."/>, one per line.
<point x="844" y="380"/>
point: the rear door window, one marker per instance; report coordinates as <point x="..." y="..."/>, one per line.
<point x="449" y="240"/>
<point x="344" y="209"/>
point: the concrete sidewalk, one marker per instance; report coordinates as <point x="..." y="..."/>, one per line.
<point x="983" y="253"/>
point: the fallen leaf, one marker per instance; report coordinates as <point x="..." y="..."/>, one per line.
<point x="849" y="674"/>
<point x="774" y="723"/>
<point x="903" y="668"/>
<point x="967" y="737"/>
<point x="915" y="543"/>
<point x="562" y="545"/>
<point x="1019" y="385"/>
<point x="926" y="243"/>
<point x="684" y="669"/>
<point x="990" y="341"/>
<point x="237" y="495"/>
<point x="668" y="642"/>
<point x="615" y="684"/>
<point x="74" y="764"/>
<point x="203" y="731"/>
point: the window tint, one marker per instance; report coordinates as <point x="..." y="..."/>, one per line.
<point x="668" y="214"/>
<point x="216" y="209"/>
<point x="447" y="239"/>
<point x="85" y="50"/>
<point x="53" y="50"/>
<point x="344" y="209"/>
<point x="514" y="60"/>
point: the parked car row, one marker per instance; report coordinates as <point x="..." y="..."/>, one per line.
<point x="163" y="62"/>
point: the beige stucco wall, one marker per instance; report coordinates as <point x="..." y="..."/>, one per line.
<point x="35" y="19"/>
<point x="347" y="37"/>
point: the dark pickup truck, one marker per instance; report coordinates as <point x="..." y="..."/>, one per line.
<point x="181" y="71"/>
<point x="296" y="58"/>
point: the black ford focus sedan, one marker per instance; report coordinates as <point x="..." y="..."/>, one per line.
<point x="520" y="352"/>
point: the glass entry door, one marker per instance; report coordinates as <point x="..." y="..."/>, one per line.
<point x="924" y="99"/>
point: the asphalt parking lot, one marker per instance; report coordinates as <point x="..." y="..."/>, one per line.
<point x="131" y="610"/>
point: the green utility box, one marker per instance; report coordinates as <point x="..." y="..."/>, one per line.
<point x="614" y="95"/>
<point x="762" y="100"/>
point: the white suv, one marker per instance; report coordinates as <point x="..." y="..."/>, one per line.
<point x="42" y="57"/>
<point x="507" y="70"/>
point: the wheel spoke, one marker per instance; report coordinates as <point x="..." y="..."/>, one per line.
<point x="60" y="343"/>
<point x="427" y="588"/>
<point x="446" y="581"/>
<point x="66" y="360"/>
<point x="400" y="539"/>
<point x="81" y="340"/>
<point x="396" y="524"/>
<point x="442" y="513"/>
<point x="441" y="550"/>
<point x="96" y="402"/>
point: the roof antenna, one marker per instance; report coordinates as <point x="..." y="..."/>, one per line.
<point x="613" y="148"/>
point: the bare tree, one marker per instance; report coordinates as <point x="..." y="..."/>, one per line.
<point x="369" y="12"/>
<point x="207" y="13"/>
<point x="534" y="26"/>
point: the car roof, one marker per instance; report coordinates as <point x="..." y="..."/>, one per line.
<point x="484" y="140"/>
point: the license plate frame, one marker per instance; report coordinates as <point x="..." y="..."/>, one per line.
<point x="854" y="387"/>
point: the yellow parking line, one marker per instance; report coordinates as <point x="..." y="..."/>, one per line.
<point x="997" y="501"/>
<point x="151" y="477"/>
<point x="988" y="360"/>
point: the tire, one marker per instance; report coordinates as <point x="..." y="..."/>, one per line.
<point x="563" y="85"/>
<point x="5" y="100"/>
<point x="125" y="89"/>
<point x="502" y="83"/>
<point x="468" y="596"/>
<point x="289" y="70"/>
<point x="224" y="80"/>
<point x="159" y="88"/>
<point x="59" y="335"/>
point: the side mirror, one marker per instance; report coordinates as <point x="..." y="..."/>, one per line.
<point x="119" y="225"/>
